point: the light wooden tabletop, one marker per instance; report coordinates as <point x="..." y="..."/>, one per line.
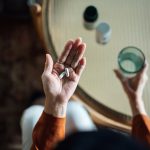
<point x="130" y="24"/>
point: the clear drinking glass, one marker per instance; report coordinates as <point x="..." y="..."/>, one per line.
<point x="131" y="60"/>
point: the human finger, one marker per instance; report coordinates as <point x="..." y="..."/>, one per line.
<point x="119" y="75"/>
<point x="124" y="81"/>
<point x="79" y="55"/>
<point x="65" y="52"/>
<point x="145" y="68"/>
<point x="48" y="63"/>
<point x="80" y="67"/>
<point x="142" y="73"/>
<point x="73" y="51"/>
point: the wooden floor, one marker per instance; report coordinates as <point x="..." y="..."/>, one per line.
<point x="21" y="65"/>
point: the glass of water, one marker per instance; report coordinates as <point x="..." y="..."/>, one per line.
<point x="131" y="60"/>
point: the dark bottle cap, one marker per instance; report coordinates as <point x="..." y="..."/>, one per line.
<point x="90" y="14"/>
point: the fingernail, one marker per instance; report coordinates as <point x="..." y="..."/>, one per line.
<point x="80" y="38"/>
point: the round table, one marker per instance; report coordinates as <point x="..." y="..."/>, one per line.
<point x="130" y="24"/>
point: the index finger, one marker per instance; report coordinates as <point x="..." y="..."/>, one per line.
<point x="119" y="75"/>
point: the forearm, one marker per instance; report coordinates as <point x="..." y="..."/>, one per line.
<point x="137" y="106"/>
<point x="141" y="128"/>
<point x="50" y="128"/>
<point x="141" y="121"/>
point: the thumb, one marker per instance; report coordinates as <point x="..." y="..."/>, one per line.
<point x="124" y="81"/>
<point x="119" y="75"/>
<point x="48" y="63"/>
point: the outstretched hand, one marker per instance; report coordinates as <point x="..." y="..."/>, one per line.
<point x="58" y="91"/>
<point x="134" y="87"/>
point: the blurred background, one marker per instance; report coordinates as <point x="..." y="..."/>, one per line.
<point x="21" y="64"/>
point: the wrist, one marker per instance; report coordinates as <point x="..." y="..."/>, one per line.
<point x="140" y="106"/>
<point x="55" y="109"/>
<point x="137" y="106"/>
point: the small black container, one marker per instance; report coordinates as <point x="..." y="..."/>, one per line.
<point x="90" y="17"/>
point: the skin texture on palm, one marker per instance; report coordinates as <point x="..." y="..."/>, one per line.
<point x="134" y="87"/>
<point x="58" y="91"/>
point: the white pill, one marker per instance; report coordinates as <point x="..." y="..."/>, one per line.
<point x="67" y="72"/>
<point x="62" y="75"/>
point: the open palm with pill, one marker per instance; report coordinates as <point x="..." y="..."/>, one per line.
<point x="60" y="79"/>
